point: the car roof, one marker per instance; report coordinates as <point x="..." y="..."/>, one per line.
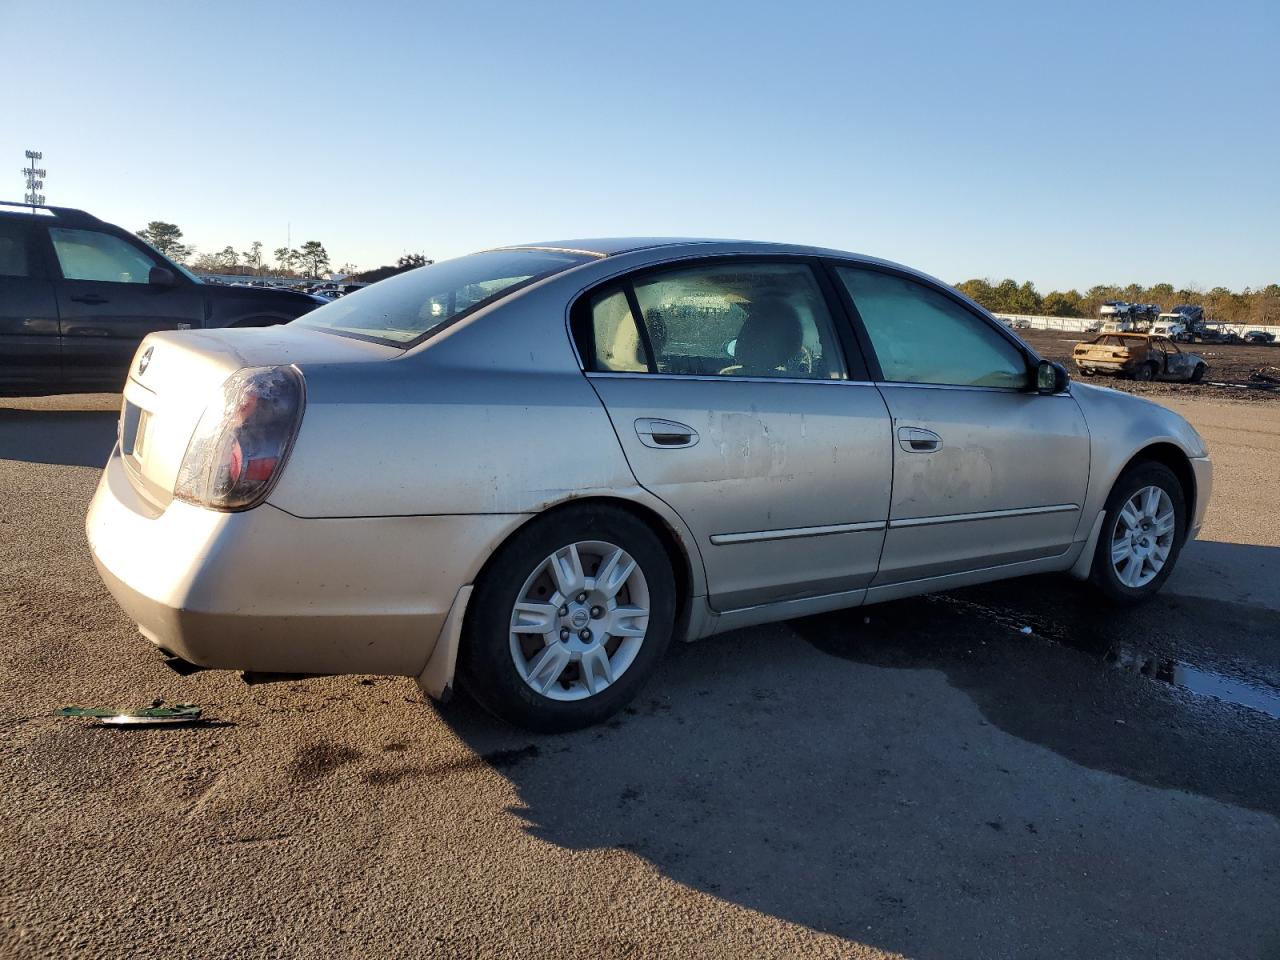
<point x="614" y="246"/>
<point x="10" y="210"/>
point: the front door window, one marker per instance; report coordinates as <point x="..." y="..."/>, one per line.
<point x="922" y="336"/>
<point x="92" y="255"/>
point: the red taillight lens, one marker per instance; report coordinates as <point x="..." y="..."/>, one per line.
<point x="240" y="444"/>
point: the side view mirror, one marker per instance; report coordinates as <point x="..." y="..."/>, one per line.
<point x="1051" y="377"/>
<point x="731" y="347"/>
<point x="161" y="277"/>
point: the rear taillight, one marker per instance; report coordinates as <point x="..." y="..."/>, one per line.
<point x="241" y="442"/>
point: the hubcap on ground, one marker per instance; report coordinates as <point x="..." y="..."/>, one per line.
<point x="1143" y="537"/>
<point x="579" y="620"/>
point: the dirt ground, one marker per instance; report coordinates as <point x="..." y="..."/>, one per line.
<point x="914" y="779"/>
<point x="1229" y="364"/>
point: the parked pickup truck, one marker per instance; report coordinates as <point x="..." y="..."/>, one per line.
<point x="1140" y="356"/>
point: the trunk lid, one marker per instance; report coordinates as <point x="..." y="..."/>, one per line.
<point x="176" y="375"/>
<point x="1100" y="351"/>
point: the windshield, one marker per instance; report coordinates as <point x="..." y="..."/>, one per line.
<point x="406" y="308"/>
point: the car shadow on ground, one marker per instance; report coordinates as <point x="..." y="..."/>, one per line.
<point x="924" y="776"/>
<point x="73" y="438"/>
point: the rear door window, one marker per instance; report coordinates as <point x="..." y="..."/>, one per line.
<point x="727" y="319"/>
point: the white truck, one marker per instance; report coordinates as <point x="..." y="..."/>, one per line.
<point x="1171" y="325"/>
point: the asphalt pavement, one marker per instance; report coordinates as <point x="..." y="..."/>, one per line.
<point x="919" y="778"/>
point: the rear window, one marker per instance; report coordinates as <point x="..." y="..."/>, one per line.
<point x="404" y="309"/>
<point x="1114" y="341"/>
<point x="13" y="250"/>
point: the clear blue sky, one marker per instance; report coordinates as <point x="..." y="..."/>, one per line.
<point x="1065" y="143"/>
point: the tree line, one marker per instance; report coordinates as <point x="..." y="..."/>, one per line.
<point x="311" y="259"/>
<point x="1260" y="306"/>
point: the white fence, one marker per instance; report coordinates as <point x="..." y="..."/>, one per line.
<point x="1077" y="324"/>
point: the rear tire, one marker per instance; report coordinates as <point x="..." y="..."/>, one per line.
<point x="1142" y="533"/>
<point x="561" y="631"/>
<point x="1145" y="373"/>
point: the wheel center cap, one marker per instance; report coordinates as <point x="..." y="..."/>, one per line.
<point x="579" y="618"/>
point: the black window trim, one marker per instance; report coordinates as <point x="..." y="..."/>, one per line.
<point x="580" y="328"/>
<point x="864" y="339"/>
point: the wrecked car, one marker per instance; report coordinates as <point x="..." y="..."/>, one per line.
<point x="533" y="467"/>
<point x="1139" y="356"/>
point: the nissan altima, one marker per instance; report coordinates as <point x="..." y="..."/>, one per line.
<point x="534" y="466"/>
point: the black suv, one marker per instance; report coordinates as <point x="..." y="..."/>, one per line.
<point x="77" y="295"/>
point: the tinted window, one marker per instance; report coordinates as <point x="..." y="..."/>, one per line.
<point x="922" y="336"/>
<point x="13" y="250"/>
<point x="90" y="255"/>
<point x="730" y="319"/>
<point x="409" y="306"/>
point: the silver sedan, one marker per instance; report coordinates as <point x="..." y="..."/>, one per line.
<point x="533" y="466"/>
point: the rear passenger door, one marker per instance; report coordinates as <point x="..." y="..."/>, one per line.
<point x="986" y="471"/>
<point x="107" y="304"/>
<point x="30" y="357"/>
<point x="729" y="390"/>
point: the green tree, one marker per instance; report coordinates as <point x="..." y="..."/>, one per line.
<point x="253" y="256"/>
<point x="166" y="238"/>
<point x="228" y="258"/>
<point x="286" y="259"/>
<point x="1266" y="305"/>
<point x="411" y="260"/>
<point x="208" y="263"/>
<point x="313" y="255"/>
<point x="1059" y="304"/>
<point x="1027" y="300"/>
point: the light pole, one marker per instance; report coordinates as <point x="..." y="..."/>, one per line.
<point x="35" y="180"/>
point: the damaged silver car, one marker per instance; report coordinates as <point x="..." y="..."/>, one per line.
<point x="534" y="466"/>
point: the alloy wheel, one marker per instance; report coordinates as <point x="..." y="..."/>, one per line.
<point x="579" y="620"/>
<point x="1142" y="538"/>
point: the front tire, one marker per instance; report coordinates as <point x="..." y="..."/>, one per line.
<point x="569" y="620"/>
<point x="1198" y="373"/>
<point x="1142" y="533"/>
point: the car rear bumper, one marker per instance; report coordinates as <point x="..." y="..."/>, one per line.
<point x="1102" y="366"/>
<point x="264" y="590"/>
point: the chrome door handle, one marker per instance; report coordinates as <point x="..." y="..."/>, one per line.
<point x="665" y="434"/>
<point x="918" y="440"/>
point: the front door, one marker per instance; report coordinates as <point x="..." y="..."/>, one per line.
<point x="985" y="471"/>
<point x="108" y="304"/>
<point x="30" y="359"/>
<point x="734" y="404"/>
